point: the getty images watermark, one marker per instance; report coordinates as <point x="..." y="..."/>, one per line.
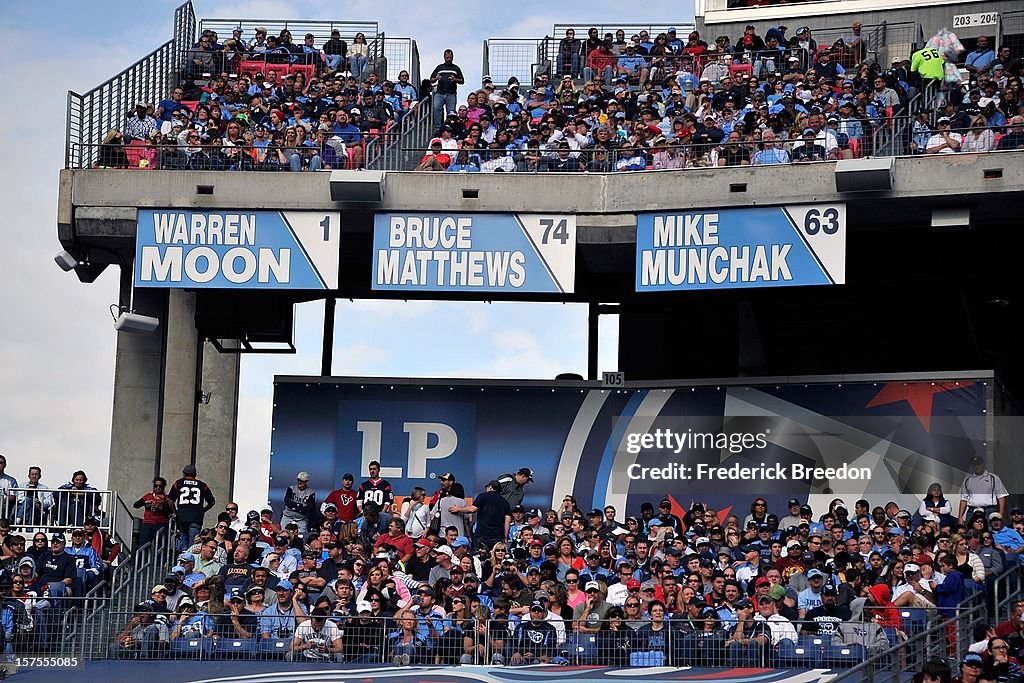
<point x="668" y="441"/>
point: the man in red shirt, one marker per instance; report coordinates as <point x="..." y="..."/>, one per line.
<point x="397" y="537"/>
<point x="793" y="562"/>
<point x="344" y="499"/>
<point x="600" y="62"/>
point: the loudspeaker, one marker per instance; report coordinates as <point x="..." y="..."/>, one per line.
<point x="865" y="175"/>
<point x="357" y="186"/>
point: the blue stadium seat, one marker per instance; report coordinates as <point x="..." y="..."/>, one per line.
<point x="844" y="655"/>
<point x="235" y="648"/>
<point x="652" y="658"/>
<point x="191" y="647"/>
<point x="915" y="620"/>
<point x="582" y="648"/>
<point x="819" y="642"/>
<point x="799" y="656"/>
<point x="274" y="647"/>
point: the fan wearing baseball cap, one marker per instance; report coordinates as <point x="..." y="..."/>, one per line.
<point x="511" y="486"/>
<point x="981" y="490"/>
<point x="590" y="613"/>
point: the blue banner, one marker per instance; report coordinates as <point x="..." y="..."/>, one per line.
<point x="739" y="248"/>
<point x="612" y="447"/>
<point x="237" y="250"/>
<point x="465" y="252"/>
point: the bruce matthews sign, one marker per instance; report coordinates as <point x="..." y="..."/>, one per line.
<point x="237" y="249"/>
<point x="776" y="246"/>
<point x="474" y="252"/>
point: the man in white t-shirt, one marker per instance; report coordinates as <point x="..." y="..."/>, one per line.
<point x="944" y="141"/>
<point x="316" y="639"/>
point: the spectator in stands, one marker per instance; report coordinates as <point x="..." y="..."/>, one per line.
<point x="57" y="568"/>
<point x="511" y="486"/>
<point x="855" y="44"/>
<point x="74" y="502"/>
<point x="299" y="503"/>
<point x="772" y="151"/>
<point x="982" y="490"/>
<point x="201" y="58"/>
<point x="33" y="506"/>
<point x="808" y="149"/>
<point x="632" y="65"/>
<point x="88" y="565"/>
<point x="140" y="124"/>
<point x="944" y="141"/>
<point x="279" y="620"/>
<point x="802" y="39"/>
<point x="207" y="563"/>
<point x="979" y="138"/>
<point x="1014" y="137"/>
<point x="569" y="49"/>
<point x="192" y="499"/>
<point x="600" y="64"/>
<point x="358" y="56"/>
<point x="979" y="61"/>
<point x="145" y="635"/>
<point x="112" y="154"/>
<point x="445" y="79"/>
<point x="157" y="513"/>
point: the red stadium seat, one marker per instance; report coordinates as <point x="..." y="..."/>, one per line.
<point x="191" y="104"/>
<point x="735" y="69"/>
<point x="855" y="147"/>
<point x="251" y="67"/>
<point x="308" y="69"/>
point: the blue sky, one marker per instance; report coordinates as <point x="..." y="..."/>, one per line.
<point x="58" y="341"/>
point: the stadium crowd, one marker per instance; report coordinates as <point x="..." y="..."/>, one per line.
<point x="265" y="104"/>
<point x="52" y="551"/>
<point x="659" y="101"/>
<point x="649" y="102"/>
<point x="361" y="575"/>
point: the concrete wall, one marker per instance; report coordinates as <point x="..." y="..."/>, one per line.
<point x="924" y="177"/>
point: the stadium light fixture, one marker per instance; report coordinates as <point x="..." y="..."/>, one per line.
<point x="65" y="260"/>
<point x="129" y="321"/>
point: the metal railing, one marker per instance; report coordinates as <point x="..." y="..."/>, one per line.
<point x="59" y="510"/>
<point x="404" y="147"/>
<point x="1011" y="26"/>
<point x="90" y="115"/>
<point x="862" y="649"/>
<point x="1006" y="590"/>
<point x="164" y="156"/>
<point x="394" y="151"/>
<point x="947" y="640"/>
<point x="131" y="580"/>
<point x="508" y="57"/>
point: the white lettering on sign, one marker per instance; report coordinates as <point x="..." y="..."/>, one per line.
<point x="698" y="229"/>
<point x="427" y="441"/>
<point x="203" y="264"/>
<point x="735" y="264"/>
<point x="979" y="19"/>
<point x="205" y="229"/>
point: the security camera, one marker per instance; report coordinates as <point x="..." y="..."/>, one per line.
<point x="65" y="260"/>
<point x="133" y="323"/>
